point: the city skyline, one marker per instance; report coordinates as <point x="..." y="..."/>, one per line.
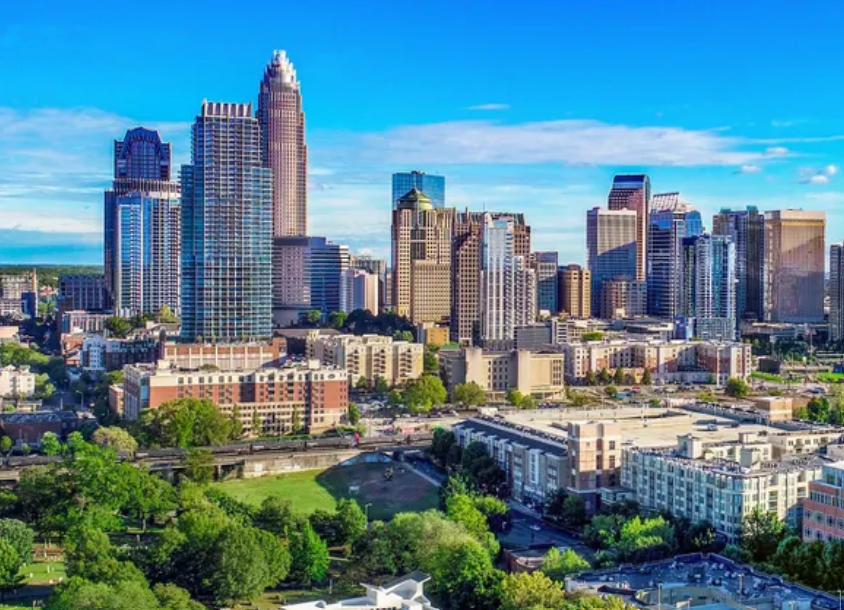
<point x="525" y="145"/>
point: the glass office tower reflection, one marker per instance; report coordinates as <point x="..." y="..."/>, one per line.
<point x="433" y="186"/>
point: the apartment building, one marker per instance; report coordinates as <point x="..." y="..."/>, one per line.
<point x="594" y="450"/>
<point x="536" y="373"/>
<point x="574" y="284"/>
<point x="804" y="442"/>
<point x="719" y="482"/>
<point x="368" y="356"/>
<point x="225" y="356"/>
<point x="272" y="399"/>
<point x="823" y="510"/>
<point x="536" y="466"/>
<point x="669" y="361"/>
<point x="100" y="355"/>
<point x="16" y="381"/>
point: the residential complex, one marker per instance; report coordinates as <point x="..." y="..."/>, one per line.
<point x="19" y="294"/>
<point x="224" y="356"/>
<point x="575" y="291"/>
<point x="433" y="186"/>
<point x="633" y="192"/>
<point x="226" y="229"/>
<point x="823" y="509"/>
<point x="709" y="286"/>
<point x="363" y="291"/>
<point x="268" y="401"/>
<point x="16" y="382"/>
<point x="594" y="459"/>
<point x="368" y="356"/>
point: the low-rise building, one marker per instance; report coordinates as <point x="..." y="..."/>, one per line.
<point x="405" y="593"/>
<point x="100" y="354"/>
<point x="719" y="482"/>
<point x="539" y="374"/>
<point x="568" y="330"/>
<point x="428" y="333"/>
<point x="775" y="408"/>
<point x="823" y="510"/>
<point x="536" y="466"/>
<point x="30" y="427"/>
<point x="9" y="334"/>
<point x="369" y="356"/>
<point x="78" y="321"/>
<point x="224" y="356"/>
<point x="116" y="399"/>
<point x="16" y="381"/>
<point x="269" y="401"/>
<point x="807" y="441"/>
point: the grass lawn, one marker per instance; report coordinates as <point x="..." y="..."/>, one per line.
<point x="831" y="377"/>
<point x="314" y="489"/>
<point x="40" y="573"/>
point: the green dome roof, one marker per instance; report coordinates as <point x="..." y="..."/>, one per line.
<point x="415" y="200"/>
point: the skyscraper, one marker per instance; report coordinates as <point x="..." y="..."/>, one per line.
<point x="421" y="251"/>
<point x="226" y="228"/>
<point x="611" y="248"/>
<point x="283" y="145"/>
<point x="709" y="286"/>
<point x="433" y="186"/>
<point x="746" y="228"/>
<point x="667" y="228"/>
<point x="143" y="220"/>
<point x="633" y="192"/>
<point x="575" y="284"/>
<point x="545" y="264"/>
<point x="508" y="284"/>
<point x="466" y="267"/>
<point x="836" y="292"/>
<point x="794" y="265"/>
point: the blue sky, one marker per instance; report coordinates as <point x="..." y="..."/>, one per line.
<point x="528" y="106"/>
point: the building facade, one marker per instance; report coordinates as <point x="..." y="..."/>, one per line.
<point x="666" y="231"/>
<point x="575" y="291"/>
<point x="709" y="286"/>
<point x="16" y="382"/>
<point x="82" y="292"/>
<point x="623" y="298"/>
<point x="433" y="187"/>
<point x="224" y="356"/>
<point x="746" y="229"/>
<point x="368" y="357"/>
<point x="363" y="291"/>
<point x="611" y="248"/>
<point x="795" y="253"/>
<point x="594" y="459"/>
<point x="143" y="220"/>
<point x="633" y="192"/>
<point x="836" y="292"/>
<point x="226" y="229"/>
<point x="823" y="509"/>
<point x="545" y="265"/>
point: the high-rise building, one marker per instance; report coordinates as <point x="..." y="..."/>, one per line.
<point x="143" y="227"/>
<point x="795" y="254"/>
<point x="623" y="298"/>
<point x="836" y="292"/>
<point x="85" y="292"/>
<point x="709" y="286"/>
<point x="611" y="247"/>
<point x="547" y="289"/>
<point x="421" y="249"/>
<point x="575" y="298"/>
<point x="283" y="145"/>
<point x="363" y="291"/>
<point x="315" y="277"/>
<point x="667" y="228"/>
<point x="508" y="284"/>
<point x="746" y="229"/>
<point x="376" y="266"/>
<point x="433" y="187"/>
<point x="226" y="228"/>
<point x="633" y="192"/>
<point x="466" y="267"/>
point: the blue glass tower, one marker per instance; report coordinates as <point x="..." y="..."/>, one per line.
<point x="227" y="229"/>
<point x="433" y="186"/>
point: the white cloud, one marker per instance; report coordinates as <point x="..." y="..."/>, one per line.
<point x="782" y="123"/>
<point x="748" y="169"/>
<point x="490" y="107"/>
<point x="829" y="170"/>
<point x="816" y="179"/>
<point x="819" y="176"/>
<point x="776" y="151"/>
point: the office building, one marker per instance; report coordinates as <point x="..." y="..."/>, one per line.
<point x="545" y="265"/>
<point x="283" y="148"/>
<point x="508" y="284"/>
<point x="368" y="357"/>
<point x="541" y="375"/>
<point x="795" y="253"/>
<point x="82" y="292"/>
<point x="823" y="509"/>
<point x="421" y="258"/>
<point x="672" y="202"/>
<point x="836" y="292"/>
<point x="622" y="298"/>
<point x="310" y="273"/>
<point x="719" y="482"/>
<point x="226" y="229"/>
<point x="575" y="291"/>
<point x="19" y="294"/>
<point x="633" y="192"/>
<point x="611" y="248"/>
<point x="376" y="266"/>
<point x="667" y="228"/>
<point x="746" y="229"/>
<point x="143" y="220"/>
<point x="709" y="286"/>
<point x="363" y="291"/>
<point x="467" y="265"/>
<point x="433" y="187"/>
<point x="268" y="401"/>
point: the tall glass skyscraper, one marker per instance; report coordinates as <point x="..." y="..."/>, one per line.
<point x="668" y="226"/>
<point x="633" y="192"/>
<point x="746" y="228"/>
<point x="227" y="229"/>
<point x="142" y="227"/>
<point x="546" y="265"/>
<point x="433" y="186"/>
<point x="709" y="286"/>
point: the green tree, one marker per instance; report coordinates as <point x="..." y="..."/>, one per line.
<point x="313" y="317"/>
<point x="166" y="315"/>
<point x="6" y="445"/>
<point x="26" y="449"/>
<point x="646" y="377"/>
<point x="172" y="597"/>
<point x="199" y="465"/>
<point x="309" y="556"/>
<point x="403" y="335"/>
<point x="514" y="397"/>
<point x="736" y="388"/>
<point x="276" y="516"/>
<point x="463" y="575"/>
<point x="50" y="444"/>
<point x="611" y="391"/>
<point x="558" y="565"/>
<point x="185" y="423"/>
<point x="461" y="509"/>
<point x="425" y="393"/>
<point x="590" y="378"/>
<point x="469" y="394"/>
<point x="351" y="521"/>
<point x="20" y="536"/>
<point x="762" y="533"/>
<point x="529" y="402"/>
<point x="10" y="565"/>
<point x="246" y="562"/>
<point x="579" y="399"/>
<point x="90" y="555"/>
<point x="395" y="398"/>
<point x="534" y="591"/>
<point x="79" y="593"/>
<point x="431" y="364"/>
<point x="592" y="336"/>
<point x="818" y="410"/>
<point x="362" y="384"/>
<point x="618" y="377"/>
<point x="373" y="554"/>
<point x="295" y="421"/>
<point x="354" y="414"/>
<point x="380" y="386"/>
<point x="116" y="438"/>
<point x="43" y="388"/>
<point x="337" y="319"/>
<point x="118" y="327"/>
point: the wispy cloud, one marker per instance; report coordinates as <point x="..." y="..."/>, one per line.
<point x="776" y="151"/>
<point x="748" y="169"/>
<point x="817" y="177"/>
<point x="489" y="107"/>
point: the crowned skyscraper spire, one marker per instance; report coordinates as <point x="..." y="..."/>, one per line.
<point x="284" y="150"/>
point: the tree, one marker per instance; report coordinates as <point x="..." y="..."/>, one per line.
<point x="257" y="424"/>
<point x="531" y="591"/>
<point x="43" y="388"/>
<point x="90" y="555"/>
<point x="425" y="393"/>
<point x="6" y="445"/>
<point x="172" y="597"/>
<point x="10" y="565"/>
<point x="736" y="388"/>
<point x="646" y="377"/>
<point x="380" y="386"/>
<point x="403" y="335"/>
<point x="353" y="414"/>
<point x="20" y="536"/>
<point x="26" y="449"/>
<point x="118" y="327"/>
<point x="362" y="384"/>
<point x="579" y="399"/>
<point x="313" y="317"/>
<point x="529" y="403"/>
<point x="462" y="574"/>
<point x="818" y="410"/>
<point x="469" y="394"/>
<point x="461" y="509"/>
<point x="199" y="466"/>
<point x="762" y="533"/>
<point x="611" y="391"/>
<point x="618" y="377"/>
<point x="185" y="423"/>
<point x="373" y="554"/>
<point x="116" y="438"/>
<point x="430" y="364"/>
<point x="337" y="319"/>
<point x="592" y="336"/>
<point x="514" y="397"/>
<point x="246" y="562"/>
<point x="295" y="421"/>
<point x="50" y="444"/>
<point x="558" y="565"/>
<point x="604" y="376"/>
<point x="276" y="516"/>
<point x="590" y="378"/>
<point x="350" y="521"/>
<point x="166" y="315"/>
<point x="309" y="556"/>
<point x="395" y="398"/>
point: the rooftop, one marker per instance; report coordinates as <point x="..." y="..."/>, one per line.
<point x="521" y="435"/>
<point x="415" y="200"/>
